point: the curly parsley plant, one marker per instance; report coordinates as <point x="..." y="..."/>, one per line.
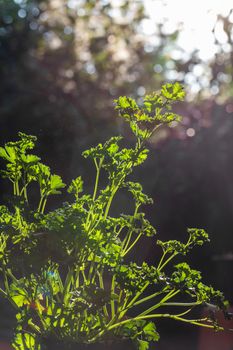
<point x="67" y="272"/>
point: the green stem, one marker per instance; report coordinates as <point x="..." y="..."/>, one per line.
<point x="184" y="313"/>
<point x="197" y="322"/>
<point x="43" y="206"/>
<point x="128" y="236"/>
<point x="90" y="220"/>
<point x="94" y="222"/>
<point x="125" y="307"/>
<point x="112" y="292"/>
<point x="67" y="285"/>
<point x="133" y="301"/>
<point x="119" y="231"/>
<point x="131" y="246"/>
<point x="3" y="292"/>
<point x="17" y="188"/>
<point x="40" y="203"/>
<point x="161" y="260"/>
<point x="24" y="192"/>
<point x="127" y="239"/>
<point x="18" y="215"/>
<point x="115" y="189"/>
<point x="92" y="265"/>
<point x="14" y="189"/>
<point x="34" y="327"/>
<point x="10" y="274"/>
<point x="154" y="307"/>
<point x="98" y="168"/>
<point x="183" y="304"/>
<point x="120" y="296"/>
<point x="6" y="284"/>
<point x="101" y="282"/>
<point x="77" y="277"/>
<point x="167" y="261"/>
<point x="84" y="277"/>
<point x="110" y="201"/>
<point x="151" y="296"/>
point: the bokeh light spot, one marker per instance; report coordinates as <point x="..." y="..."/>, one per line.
<point x="158" y="68"/>
<point x="141" y="91"/>
<point x="22" y="13"/>
<point x="190" y="132"/>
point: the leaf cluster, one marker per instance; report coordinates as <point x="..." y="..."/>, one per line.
<point x="67" y="271"/>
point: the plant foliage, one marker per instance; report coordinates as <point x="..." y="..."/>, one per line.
<point x="66" y="271"/>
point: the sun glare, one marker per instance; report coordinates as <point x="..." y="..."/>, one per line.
<point x="194" y="20"/>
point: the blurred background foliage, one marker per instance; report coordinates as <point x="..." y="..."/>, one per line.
<point x="62" y="63"/>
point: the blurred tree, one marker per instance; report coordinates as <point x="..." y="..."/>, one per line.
<point x="212" y="78"/>
<point x="63" y="62"/>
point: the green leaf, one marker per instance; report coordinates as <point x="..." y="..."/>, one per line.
<point x="26" y="141"/>
<point x="173" y="91"/>
<point x="136" y="189"/>
<point x="94" y="152"/>
<point x="142" y="344"/>
<point x="3" y="244"/>
<point x="142" y="134"/>
<point x="142" y="156"/>
<point x="19" y="296"/>
<point x="30" y="159"/>
<point x="76" y="186"/>
<point x="174" y="246"/>
<point x="124" y="102"/>
<point x="198" y="236"/>
<point x="8" y="153"/>
<point x="81" y="277"/>
<point x="150" y="332"/>
<point x="55" y="184"/>
<point x="24" y="341"/>
<point x="127" y="107"/>
<point x="112" y="149"/>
